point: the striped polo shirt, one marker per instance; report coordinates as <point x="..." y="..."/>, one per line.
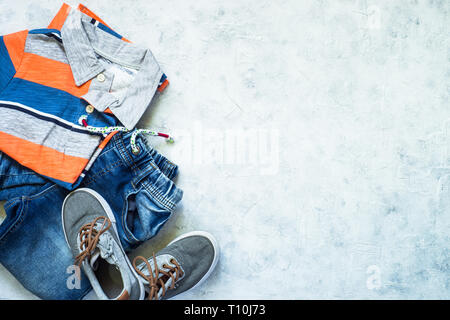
<point x="53" y="78"/>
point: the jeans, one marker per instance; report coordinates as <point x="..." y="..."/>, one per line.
<point x="138" y="188"/>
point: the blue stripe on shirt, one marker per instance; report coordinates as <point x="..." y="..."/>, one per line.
<point x="110" y="31"/>
<point x="7" y="70"/>
<point x="43" y="117"/>
<point x="53" y="101"/>
<point x="44" y="31"/>
<point x="105" y="28"/>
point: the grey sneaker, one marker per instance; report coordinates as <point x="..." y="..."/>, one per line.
<point x="183" y="265"/>
<point x="91" y="233"/>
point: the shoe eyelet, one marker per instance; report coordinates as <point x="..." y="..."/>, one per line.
<point x="136" y="151"/>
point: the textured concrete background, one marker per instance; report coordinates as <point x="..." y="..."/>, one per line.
<point x="339" y="183"/>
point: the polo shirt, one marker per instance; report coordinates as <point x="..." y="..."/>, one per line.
<point x="52" y="78"/>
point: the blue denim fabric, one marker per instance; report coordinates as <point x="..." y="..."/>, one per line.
<point x="32" y="244"/>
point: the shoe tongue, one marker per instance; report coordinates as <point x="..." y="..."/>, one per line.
<point x="94" y="258"/>
<point x="104" y="248"/>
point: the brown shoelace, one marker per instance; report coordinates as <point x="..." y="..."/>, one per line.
<point x="89" y="237"/>
<point x="155" y="282"/>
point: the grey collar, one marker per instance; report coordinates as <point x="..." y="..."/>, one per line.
<point x="83" y="42"/>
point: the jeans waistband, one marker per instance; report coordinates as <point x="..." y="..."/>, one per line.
<point x="121" y="142"/>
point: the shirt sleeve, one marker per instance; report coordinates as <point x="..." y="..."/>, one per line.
<point x="12" y="47"/>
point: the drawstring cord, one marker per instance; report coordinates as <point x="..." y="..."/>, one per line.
<point x="134" y="147"/>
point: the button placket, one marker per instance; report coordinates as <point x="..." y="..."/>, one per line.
<point x="101" y="77"/>
<point x="89" y="109"/>
<point x="99" y="96"/>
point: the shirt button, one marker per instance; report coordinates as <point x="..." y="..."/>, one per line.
<point x="89" y="108"/>
<point x="101" y="77"/>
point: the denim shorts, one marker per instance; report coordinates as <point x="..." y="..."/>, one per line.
<point x="139" y="189"/>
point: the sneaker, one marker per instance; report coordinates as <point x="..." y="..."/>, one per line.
<point x="91" y="233"/>
<point x="183" y="265"/>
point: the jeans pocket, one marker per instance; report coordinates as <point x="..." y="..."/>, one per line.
<point x="151" y="206"/>
<point x="16" y="210"/>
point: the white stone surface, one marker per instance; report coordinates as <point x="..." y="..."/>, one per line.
<point x="343" y="108"/>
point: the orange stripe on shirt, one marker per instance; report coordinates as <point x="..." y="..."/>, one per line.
<point x="88" y="12"/>
<point x="15" y="44"/>
<point x="163" y="85"/>
<point x="50" y="73"/>
<point x="106" y="140"/>
<point x="60" y="18"/>
<point x="42" y="159"/>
